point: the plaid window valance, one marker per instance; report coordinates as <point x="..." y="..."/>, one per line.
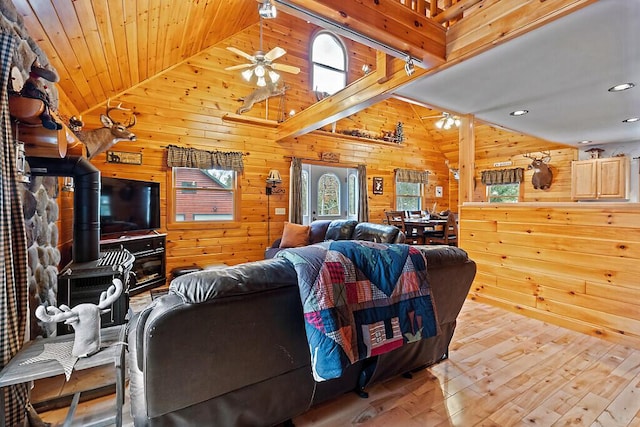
<point x="408" y="175"/>
<point x="203" y="159"/>
<point x="502" y="176"/>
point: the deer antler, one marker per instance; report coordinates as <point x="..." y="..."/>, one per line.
<point x="119" y="107"/>
<point x="54" y="315"/>
<point x="110" y="296"/>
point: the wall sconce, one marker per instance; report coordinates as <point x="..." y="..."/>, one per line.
<point x="272" y="181"/>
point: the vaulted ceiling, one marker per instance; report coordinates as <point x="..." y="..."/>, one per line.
<point x="102" y="48"/>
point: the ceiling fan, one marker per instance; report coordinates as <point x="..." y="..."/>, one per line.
<point x="445" y="120"/>
<point x="261" y="64"/>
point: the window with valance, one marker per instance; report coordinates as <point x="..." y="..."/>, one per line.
<point x="409" y="188"/>
<point x="503" y="185"/>
<point x="203" y="185"/>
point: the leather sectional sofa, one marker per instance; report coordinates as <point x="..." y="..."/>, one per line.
<point x="228" y="347"/>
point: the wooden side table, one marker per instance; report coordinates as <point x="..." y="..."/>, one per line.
<point x="112" y="351"/>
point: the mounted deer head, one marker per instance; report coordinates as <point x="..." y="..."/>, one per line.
<point x="100" y="140"/>
<point x="84" y="318"/>
<point x="455" y="172"/>
<point x="542" y="175"/>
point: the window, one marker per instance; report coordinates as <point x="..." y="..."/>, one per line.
<point x="408" y="196"/>
<point x="503" y="193"/>
<point x="201" y="195"/>
<point x="328" y="195"/>
<point x="329" y="63"/>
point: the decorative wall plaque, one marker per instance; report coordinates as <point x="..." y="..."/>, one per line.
<point x="377" y="185"/>
<point x="330" y="157"/>
<point x="124" y="157"/>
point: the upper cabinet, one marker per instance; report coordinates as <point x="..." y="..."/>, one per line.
<point x="600" y="179"/>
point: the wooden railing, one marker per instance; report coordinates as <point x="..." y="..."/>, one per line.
<point x="447" y="13"/>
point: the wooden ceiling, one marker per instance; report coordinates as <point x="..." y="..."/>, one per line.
<point x="101" y="48"/>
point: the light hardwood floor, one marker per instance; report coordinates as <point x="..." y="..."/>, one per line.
<point x="504" y="370"/>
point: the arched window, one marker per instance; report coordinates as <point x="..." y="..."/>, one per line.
<point x="329" y="63"/>
<point x="328" y="195"/>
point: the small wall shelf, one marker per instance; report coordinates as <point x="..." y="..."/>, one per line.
<point x="248" y="120"/>
<point x="357" y="138"/>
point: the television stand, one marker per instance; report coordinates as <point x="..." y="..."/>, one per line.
<point x="150" y="259"/>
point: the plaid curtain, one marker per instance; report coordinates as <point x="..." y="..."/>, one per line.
<point x="363" y="202"/>
<point x="502" y="176"/>
<point x="202" y="159"/>
<point x="13" y="248"/>
<point x="408" y="175"/>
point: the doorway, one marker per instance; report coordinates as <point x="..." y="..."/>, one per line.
<point x="329" y="192"/>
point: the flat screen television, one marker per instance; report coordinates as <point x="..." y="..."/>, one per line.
<point x="128" y="206"/>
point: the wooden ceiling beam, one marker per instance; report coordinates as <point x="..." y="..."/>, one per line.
<point x="363" y="93"/>
<point x="386" y="26"/>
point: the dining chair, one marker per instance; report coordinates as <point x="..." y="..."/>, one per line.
<point x="395" y="218"/>
<point x="448" y="235"/>
<point x="414" y="235"/>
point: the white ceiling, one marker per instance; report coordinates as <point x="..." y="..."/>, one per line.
<point x="559" y="72"/>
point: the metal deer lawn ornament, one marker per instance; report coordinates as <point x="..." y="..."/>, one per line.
<point x="542" y="175"/>
<point x="101" y="139"/>
<point x="84" y="318"/>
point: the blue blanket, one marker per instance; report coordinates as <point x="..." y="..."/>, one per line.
<point x="361" y="299"/>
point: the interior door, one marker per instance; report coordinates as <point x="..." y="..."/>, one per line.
<point x="330" y="192"/>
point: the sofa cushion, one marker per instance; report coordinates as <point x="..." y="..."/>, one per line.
<point x="379" y="233"/>
<point x="294" y="235"/>
<point x="340" y="229"/>
<point x="318" y="230"/>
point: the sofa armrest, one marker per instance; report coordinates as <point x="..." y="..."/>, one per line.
<point x="237" y="280"/>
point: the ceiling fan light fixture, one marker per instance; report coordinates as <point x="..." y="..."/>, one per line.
<point x="274" y="76"/>
<point x="247" y="74"/>
<point x="631" y="120"/>
<point x="267" y="10"/>
<point x="261" y="82"/>
<point x="259" y="70"/>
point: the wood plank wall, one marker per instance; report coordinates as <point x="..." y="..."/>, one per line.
<point x="574" y="265"/>
<point x="186" y="106"/>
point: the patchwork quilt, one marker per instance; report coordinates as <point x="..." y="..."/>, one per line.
<point x="361" y="299"/>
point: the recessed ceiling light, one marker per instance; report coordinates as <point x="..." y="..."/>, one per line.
<point x="621" y="87"/>
<point x="631" y="120"/>
<point x="518" y="113"/>
<point x="586" y="141"/>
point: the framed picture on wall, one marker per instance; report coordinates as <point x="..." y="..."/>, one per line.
<point x="377" y="185"/>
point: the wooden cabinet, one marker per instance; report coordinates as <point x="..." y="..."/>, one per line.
<point x="600" y="179"/>
<point x="149" y="265"/>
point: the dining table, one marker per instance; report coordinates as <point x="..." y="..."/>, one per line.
<point x="418" y="229"/>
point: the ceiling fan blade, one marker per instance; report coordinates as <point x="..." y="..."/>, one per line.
<point x="241" y="53"/>
<point x="286" y="68"/>
<point x="274" y="53"/>
<point x="239" y="67"/>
